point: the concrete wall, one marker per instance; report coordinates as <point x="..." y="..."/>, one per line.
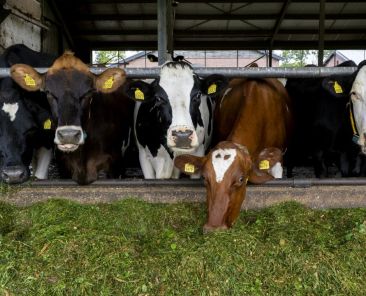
<point x="18" y="26"/>
<point x="34" y="24"/>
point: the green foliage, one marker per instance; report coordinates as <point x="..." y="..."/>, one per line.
<point x="109" y="57"/>
<point x="298" y="58"/>
<point x="135" y="248"/>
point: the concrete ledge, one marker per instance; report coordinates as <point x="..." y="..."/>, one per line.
<point x="170" y="191"/>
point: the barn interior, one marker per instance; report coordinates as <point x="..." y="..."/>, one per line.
<point x="87" y="25"/>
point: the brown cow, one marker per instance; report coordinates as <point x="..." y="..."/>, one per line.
<point x="93" y="117"/>
<point x="254" y="117"/>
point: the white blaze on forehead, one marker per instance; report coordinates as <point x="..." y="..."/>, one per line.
<point x="11" y="110"/>
<point x="177" y="82"/>
<point x="221" y="161"/>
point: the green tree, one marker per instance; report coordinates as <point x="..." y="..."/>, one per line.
<point x="298" y="58"/>
<point x="108" y="57"/>
<point x="295" y="58"/>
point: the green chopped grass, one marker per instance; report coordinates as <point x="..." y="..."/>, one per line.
<point x="136" y="248"/>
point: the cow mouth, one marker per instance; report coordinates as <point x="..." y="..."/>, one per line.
<point x="67" y="147"/>
<point x="183" y="149"/>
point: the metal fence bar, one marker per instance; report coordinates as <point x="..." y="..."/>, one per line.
<point x="306" y="72"/>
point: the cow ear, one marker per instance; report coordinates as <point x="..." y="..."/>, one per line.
<point x="337" y="87"/>
<point x="27" y="77"/>
<point x="267" y="167"/>
<point x="139" y="91"/>
<point x="214" y="84"/>
<point x="189" y="164"/>
<point x="109" y="80"/>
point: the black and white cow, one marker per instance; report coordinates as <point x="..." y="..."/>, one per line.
<point x="324" y="126"/>
<point x="173" y="116"/>
<point x="358" y="105"/>
<point x="25" y="121"/>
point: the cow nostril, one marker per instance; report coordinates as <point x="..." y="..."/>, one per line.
<point x="13" y="174"/>
<point x="182" y="133"/>
<point x="69" y="136"/>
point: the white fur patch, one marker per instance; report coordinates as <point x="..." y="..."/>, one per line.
<point x="43" y="159"/>
<point x="221" y="161"/>
<point x="276" y="171"/>
<point x="126" y="144"/>
<point x="224" y="95"/>
<point x="178" y="82"/>
<point x="358" y="97"/>
<point x="283" y="81"/>
<point x="11" y="110"/>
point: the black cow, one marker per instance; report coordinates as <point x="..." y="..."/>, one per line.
<point x="25" y="121"/>
<point x="173" y="116"/>
<point x="93" y="117"/>
<point x="323" y="128"/>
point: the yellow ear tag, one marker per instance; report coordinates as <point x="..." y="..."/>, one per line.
<point x="139" y="95"/>
<point x="29" y="81"/>
<point x="264" y="165"/>
<point x="337" y="88"/>
<point x="212" y="89"/>
<point x="47" y="124"/>
<point x="189" y="168"/>
<point x="108" y="83"/>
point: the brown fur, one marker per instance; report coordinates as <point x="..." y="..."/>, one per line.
<point x="68" y="61"/>
<point x="255" y="113"/>
<point x="251" y="118"/>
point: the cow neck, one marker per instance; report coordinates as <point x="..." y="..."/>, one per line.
<point x="356" y="135"/>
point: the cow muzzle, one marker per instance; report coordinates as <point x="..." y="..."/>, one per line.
<point x="68" y="138"/>
<point x="182" y="138"/>
<point x="14" y="174"/>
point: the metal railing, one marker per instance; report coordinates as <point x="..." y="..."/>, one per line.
<point x="306" y="72"/>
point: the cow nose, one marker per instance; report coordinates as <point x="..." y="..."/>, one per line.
<point x="182" y="138"/>
<point x="69" y="136"/>
<point x="14" y="174"/>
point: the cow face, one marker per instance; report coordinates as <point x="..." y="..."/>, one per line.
<point x="69" y="86"/>
<point x="358" y="99"/>
<point x="17" y="127"/>
<point x="176" y="99"/>
<point x="226" y="170"/>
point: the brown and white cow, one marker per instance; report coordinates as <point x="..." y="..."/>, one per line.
<point x="94" y="118"/>
<point x="253" y="116"/>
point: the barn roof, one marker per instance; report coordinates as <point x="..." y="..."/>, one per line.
<point x="201" y="54"/>
<point x="215" y="24"/>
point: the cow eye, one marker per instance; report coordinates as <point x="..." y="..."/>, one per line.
<point x="241" y="179"/>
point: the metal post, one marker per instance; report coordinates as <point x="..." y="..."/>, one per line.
<point x="321" y="32"/>
<point x="229" y="72"/>
<point x="270" y="57"/>
<point x="162" y="31"/>
<point x="170" y="27"/>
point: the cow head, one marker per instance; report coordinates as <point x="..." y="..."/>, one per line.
<point x="226" y="170"/>
<point x="358" y="105"/>
<point x="352" y="88"/>
<point x="20" y="120"/>
<point x="176" y="100"/>
<point x="69" y="86"/>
